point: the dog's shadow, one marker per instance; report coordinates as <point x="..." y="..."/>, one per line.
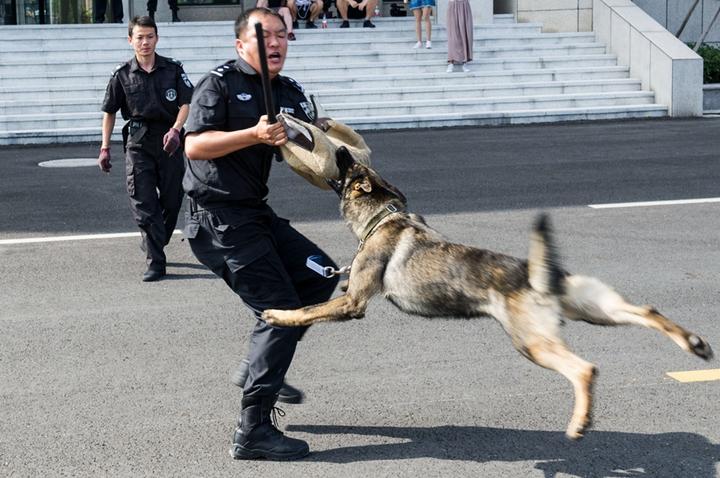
<point x="599" y="454"/>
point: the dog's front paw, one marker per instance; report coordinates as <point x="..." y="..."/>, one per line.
<point x="279" y="318"/>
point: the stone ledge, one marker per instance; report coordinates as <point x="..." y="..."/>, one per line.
<point x="711" y="97"/>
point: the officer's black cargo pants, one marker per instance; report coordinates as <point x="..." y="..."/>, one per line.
<point x="262" y="258"/>
<point x="154" y="185"/>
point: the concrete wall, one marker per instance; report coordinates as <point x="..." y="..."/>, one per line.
<point x="555" y="15"/>
<point x="663" y="63"/>
<point x="671" y="13"/>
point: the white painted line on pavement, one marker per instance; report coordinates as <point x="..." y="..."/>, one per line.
<point x="69" y="163"/>
<point x="653" y="203"/>
<point x="86" y="237"/>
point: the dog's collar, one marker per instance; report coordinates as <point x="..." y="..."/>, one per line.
<point x="372" y="224"/>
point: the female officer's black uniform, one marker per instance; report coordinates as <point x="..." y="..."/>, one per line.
<point x="233" y="231"/>
<point x="150" y="102"/>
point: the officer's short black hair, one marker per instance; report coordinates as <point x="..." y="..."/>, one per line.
<point x="142" y="21"/>
<point x="242" y="22"/>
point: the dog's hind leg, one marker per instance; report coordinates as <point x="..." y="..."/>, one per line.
<point x="588" y="299"/>
<point x="555" y="355"/>
<point x="533" y="323"/>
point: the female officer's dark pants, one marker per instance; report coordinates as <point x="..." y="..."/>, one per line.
<point x="154" y="185"/>
<point x="262" y="258"/>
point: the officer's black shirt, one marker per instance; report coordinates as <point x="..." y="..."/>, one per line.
<point x="155" y="97"/>
<point x="230" y="98"/>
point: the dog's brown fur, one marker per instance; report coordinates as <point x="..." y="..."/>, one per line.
<point x="423" y="274"/>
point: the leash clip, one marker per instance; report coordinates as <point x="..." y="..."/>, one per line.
<point x="314" y="263"/>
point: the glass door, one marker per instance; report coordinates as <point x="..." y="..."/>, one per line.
<point x="42" y="12"/>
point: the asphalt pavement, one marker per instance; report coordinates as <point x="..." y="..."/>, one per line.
<point x="103" y="375"/>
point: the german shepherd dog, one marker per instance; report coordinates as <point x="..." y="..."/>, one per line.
<point x="421" y="273"/>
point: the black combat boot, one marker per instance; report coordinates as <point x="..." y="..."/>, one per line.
<point x="257" y="437"/>
<point x="151" y="14"/>
<point x="175" y="18"/>
<point x="287" y="393"/>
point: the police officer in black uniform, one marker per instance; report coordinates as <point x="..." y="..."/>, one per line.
<point x="231" y="229"/>
<point x="153" y="93"/>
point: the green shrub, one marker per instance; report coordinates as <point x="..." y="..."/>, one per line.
<point x="711" y="63"/>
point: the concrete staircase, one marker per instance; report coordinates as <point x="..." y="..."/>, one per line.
<point x="53" y="78"/>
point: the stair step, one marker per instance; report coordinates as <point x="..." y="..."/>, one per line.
<point x="509" y="103"/>
<point x="497" y="118"/>
<point x="470" y="118"/>
<point x="168" y="31"/>
<point x="482" y="90"/>
<point x="108" y="59"/>
<point x="92" y="95"/>
<point x="370" y="108"/>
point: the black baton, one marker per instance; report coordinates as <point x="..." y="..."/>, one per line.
<point x="265" y="74"/>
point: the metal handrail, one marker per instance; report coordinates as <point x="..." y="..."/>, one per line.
<point x="707" y="30"/>
<point x="687" y="17"/>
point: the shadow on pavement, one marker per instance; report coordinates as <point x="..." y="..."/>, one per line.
<point x="171" y="276"/>
<point x="188" y="265"/>
<point x="599" y="454"/>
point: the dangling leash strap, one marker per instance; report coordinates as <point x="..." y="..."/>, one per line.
<point x="313" y="263"/>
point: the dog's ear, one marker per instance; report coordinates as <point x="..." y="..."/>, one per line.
<point x="363" y="185"/>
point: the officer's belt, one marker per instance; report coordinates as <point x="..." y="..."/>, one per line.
<point x="196" y="207"/>
<point x="138" y="127"/>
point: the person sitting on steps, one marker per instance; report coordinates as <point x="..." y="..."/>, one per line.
<point x="356" y="10"/>
<point x="308" y="10"/>
<point x="282" y="8"/>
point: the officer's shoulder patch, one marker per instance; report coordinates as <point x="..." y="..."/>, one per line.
<point x="118" y="68"/>
<point x="222" y="69"/>
<point x="293" y="83"/>
<point x="173" y="60"/>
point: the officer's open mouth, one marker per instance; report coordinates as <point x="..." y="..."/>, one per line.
<point x="274" y="56"/>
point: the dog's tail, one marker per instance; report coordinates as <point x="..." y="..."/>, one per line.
<point x="544" y="272"/>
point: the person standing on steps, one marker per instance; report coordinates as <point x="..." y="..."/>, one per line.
<point x="100" y="7"/>
<point x="460" y="35"/>
<point x="422" y="9"/>
<point x="152" y="8"/>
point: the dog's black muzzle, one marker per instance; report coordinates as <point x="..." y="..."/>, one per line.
<point x="344" y="161"/>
